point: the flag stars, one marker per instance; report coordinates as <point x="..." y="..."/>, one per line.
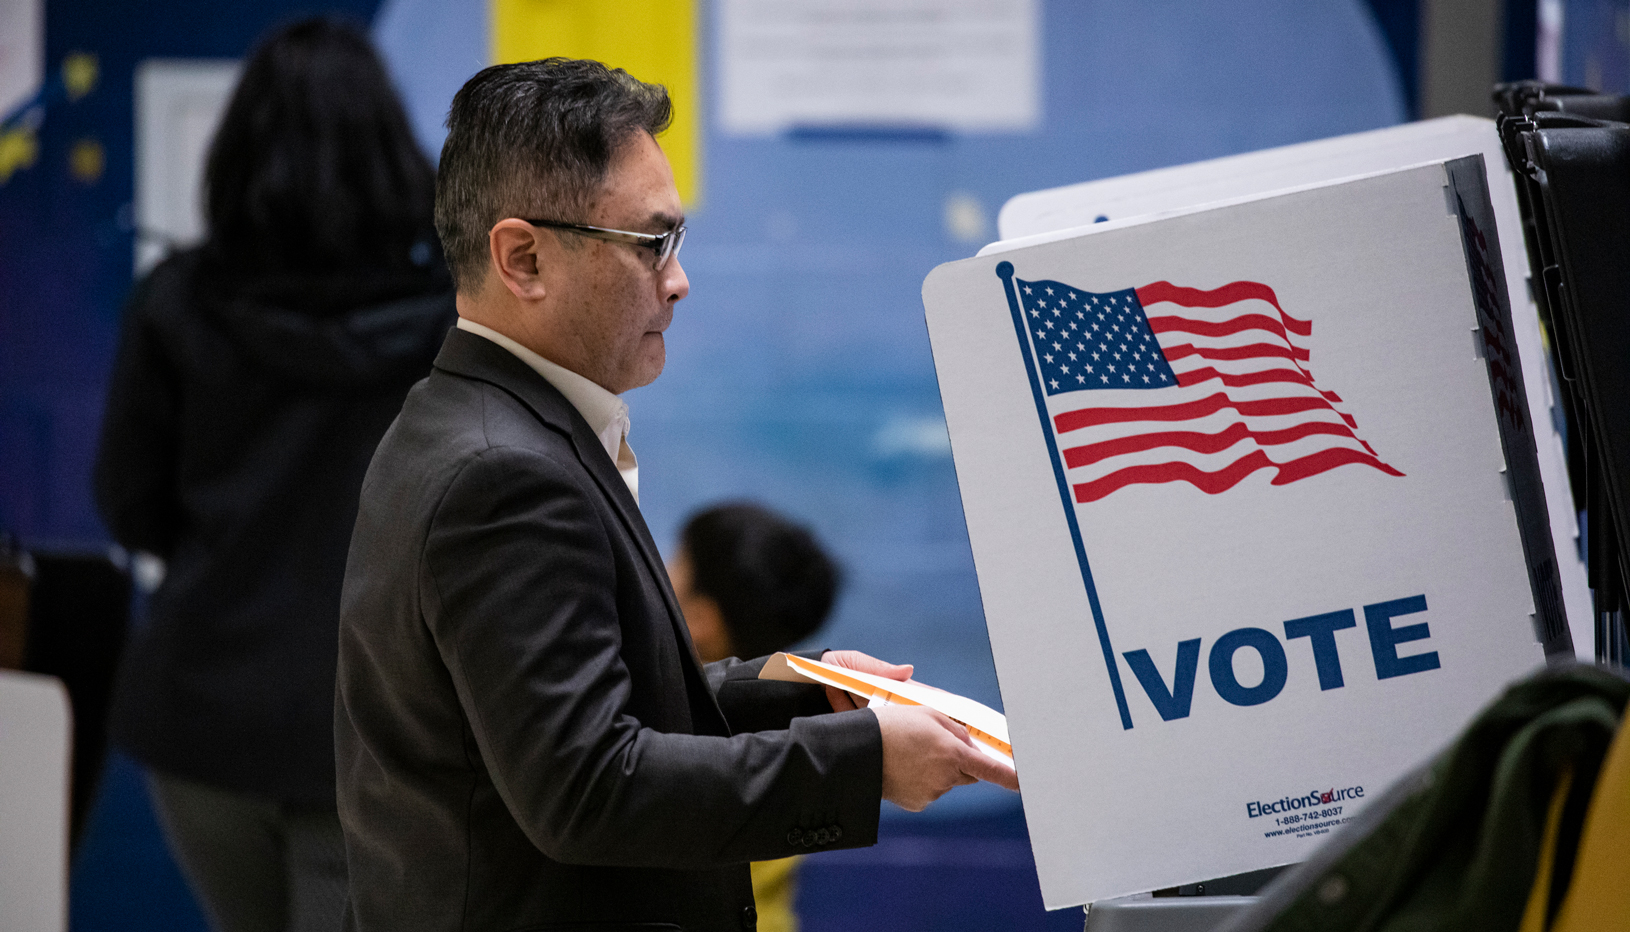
<point x="1089" y="335"/>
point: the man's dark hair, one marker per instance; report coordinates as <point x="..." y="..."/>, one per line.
<point x="314" y="167"/>
<point x="533" y="140"/>
<point x="772" y="581"/>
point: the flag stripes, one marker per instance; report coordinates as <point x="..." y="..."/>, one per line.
<point x="1241" y="397"/>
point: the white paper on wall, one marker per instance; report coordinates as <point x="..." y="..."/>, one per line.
<point x="1229" y="604"/>
<point x="179" y="103"/>
<point x="22" y="52"/>
<point x="961" y="65"/>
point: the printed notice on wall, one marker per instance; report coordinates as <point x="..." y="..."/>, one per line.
<point x="22" y="52"/>
<point x="968" y="65"/>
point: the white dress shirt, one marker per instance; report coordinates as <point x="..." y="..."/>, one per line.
<point x="606" y="413"/>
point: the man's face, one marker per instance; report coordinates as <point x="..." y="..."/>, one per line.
<point x="613" y="304"/>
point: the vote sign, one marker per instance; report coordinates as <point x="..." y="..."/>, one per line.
<point x="1239" y="484"/>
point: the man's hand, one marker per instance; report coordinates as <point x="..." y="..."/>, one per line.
<point x="925" y="754"/>
<point x="865" y="663"/>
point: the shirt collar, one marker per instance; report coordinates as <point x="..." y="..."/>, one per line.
<point x="606" y="413"/>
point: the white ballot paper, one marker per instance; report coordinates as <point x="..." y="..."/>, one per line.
<point x="986" y="726"/>
<point x="1255" y="508"/>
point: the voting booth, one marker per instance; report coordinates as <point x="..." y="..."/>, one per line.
<point x="1037" y="215"/>
<point x="1257" y="510"/>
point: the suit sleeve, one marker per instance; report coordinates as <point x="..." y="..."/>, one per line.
<point x="136" y="457"/>
<point x="519" y="591"/>
<point x="752" y="704"/>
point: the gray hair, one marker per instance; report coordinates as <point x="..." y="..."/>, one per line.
<point x="533" y="140"/>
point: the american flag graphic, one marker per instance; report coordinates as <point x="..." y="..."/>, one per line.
<point x="1169" y="384"/>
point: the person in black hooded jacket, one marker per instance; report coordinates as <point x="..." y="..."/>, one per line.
<point x="254" y="378"/>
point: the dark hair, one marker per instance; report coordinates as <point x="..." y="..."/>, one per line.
<point x="773" y="582"/>
<point x="314" y="167"/>
<point x="533" y="140"/>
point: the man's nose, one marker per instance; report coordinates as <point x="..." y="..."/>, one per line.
<point x="675" y="284"/>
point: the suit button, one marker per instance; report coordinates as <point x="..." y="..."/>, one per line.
<point x="795" y="837"/>
<point x="749" y="918"/>
<point x="837" y="832"/>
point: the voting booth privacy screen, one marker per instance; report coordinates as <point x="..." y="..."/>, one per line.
<point x="1254" y="507"/>
<point x="1035" y="215"/>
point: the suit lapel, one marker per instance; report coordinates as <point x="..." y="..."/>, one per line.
<point x="476" y="357"/>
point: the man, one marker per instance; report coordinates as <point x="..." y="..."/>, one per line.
<point x="525" y="737"/>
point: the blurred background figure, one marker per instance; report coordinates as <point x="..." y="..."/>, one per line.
<point x="255" y="375"/>
<point x="751" y="582"/>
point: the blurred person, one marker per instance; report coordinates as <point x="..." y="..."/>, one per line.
<point x="526" y="738"/>
<point x="254" y="377"/>
<point x="749" y="583"/>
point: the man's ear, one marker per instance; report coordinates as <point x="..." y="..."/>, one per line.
<point x="515" y="248"/>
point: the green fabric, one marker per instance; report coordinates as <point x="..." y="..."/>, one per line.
<point x="1461" y="851"/>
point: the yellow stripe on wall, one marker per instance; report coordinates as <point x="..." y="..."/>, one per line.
<point x="653" y="40"/>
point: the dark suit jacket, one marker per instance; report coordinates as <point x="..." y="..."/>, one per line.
<point x="525" y="737"/>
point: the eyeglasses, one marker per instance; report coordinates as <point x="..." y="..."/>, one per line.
<point x="665" y="245"/>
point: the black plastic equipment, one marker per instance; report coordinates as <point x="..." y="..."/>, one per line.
<point x="1570" y="151"/>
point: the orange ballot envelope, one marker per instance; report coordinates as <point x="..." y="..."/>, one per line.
<point x="986" y="726"/>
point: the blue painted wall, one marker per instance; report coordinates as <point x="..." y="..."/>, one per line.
<point x="1596" y="45"/>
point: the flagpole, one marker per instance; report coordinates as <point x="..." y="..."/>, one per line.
<point x="1004" y="271"/>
